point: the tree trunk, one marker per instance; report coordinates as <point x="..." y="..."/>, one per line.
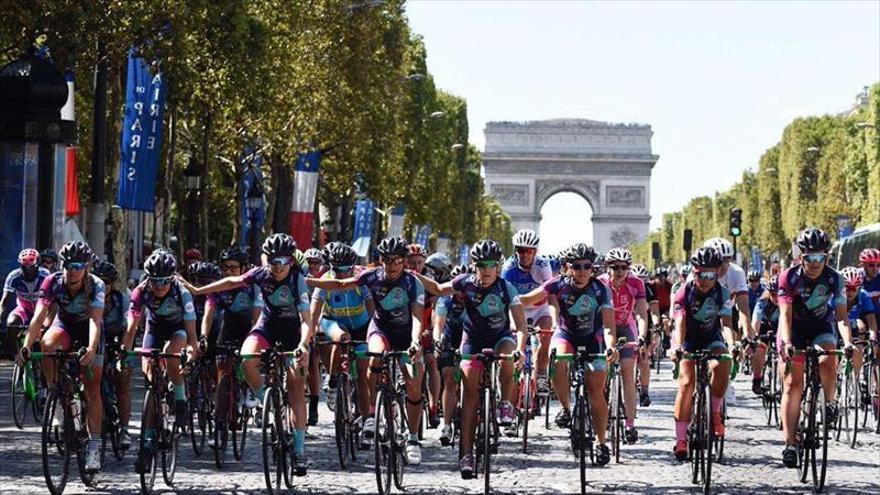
<point x="118" y="218"/>
<point x="204" y="190"/>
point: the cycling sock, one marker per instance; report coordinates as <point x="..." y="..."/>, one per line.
<point x="299" y="442"/>
<point x="260" y="393"/>
<point x="681" y="428"/>
<point x="313" y="401"/>
<point x="180" y="392"/>
<point x="716" y="404"/>
<point x="149" y="433"/>
<point x="413" y="437"/>
<point x="630" y="423"/>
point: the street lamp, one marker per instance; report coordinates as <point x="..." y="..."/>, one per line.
<point x="254" y="203"/>
<point x="192" y="174"/>
<point x="457" y="147"/>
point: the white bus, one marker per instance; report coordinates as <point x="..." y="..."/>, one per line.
<point x="845" y="252"/>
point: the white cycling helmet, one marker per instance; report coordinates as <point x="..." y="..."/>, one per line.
<point x="526" y="238"/>
<point x="723" y="246"/>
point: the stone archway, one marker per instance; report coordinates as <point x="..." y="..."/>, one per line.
<point x="609" y="165"/>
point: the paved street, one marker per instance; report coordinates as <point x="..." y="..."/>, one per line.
<point x="752" y="461"/>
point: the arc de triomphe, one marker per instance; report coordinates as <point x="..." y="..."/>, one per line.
<point x="609" y="165"/>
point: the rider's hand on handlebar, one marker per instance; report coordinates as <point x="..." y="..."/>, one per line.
<point x="612" y="355"/>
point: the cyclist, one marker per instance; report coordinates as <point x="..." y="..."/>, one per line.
<point x="631" y="321"/>
<point x="203" y="273"/>
<point x="79" y="297"/>
<point x="756" y="289"/>
<point x="765" y="319"/>
<point x="860" y="310"/>
<point x="49" y="260"/>
<point x="418" y="262"/>
<point x="284" y="318"/>
<point x="314" y="267"/>
<point x="733" y="277"/>
<point x="811" y="301"/>
<point x="343" y="316"/>
<point x="170" y="326"/>
<point x="396" y="326"/>
<point x="870" y="261"/>
<point x="487" y="300"/>
<point x="23" y="284"/>
<point x="239" y="310"/>
<point x="583" y="315"/>
<point x="449" y="318"/>
<point x="190" y="256"/>
<point x="663" y="289"/>
<point x="115" y="307"/>
<point x="647" y="345"/>
<point x="702" y="311"/>
<point x="527" y="271"/>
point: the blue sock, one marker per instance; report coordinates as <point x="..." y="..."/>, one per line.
<point x="414" y="437"/>
<point x="260" y="393"/>
<point x="180" y="392"/>
<point x="299" y="442"/>
<point x="149" y="433"/>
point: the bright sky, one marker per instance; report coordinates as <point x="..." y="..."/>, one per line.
<point x="717" y="81"/>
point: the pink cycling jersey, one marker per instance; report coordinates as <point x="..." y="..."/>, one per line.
<point x="625" y="298"/>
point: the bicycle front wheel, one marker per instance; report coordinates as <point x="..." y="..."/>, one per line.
<point x="382" y="443"/>
<point x="340" y="423"/>
<point x="239" y="433"/>
<point x="274" y="443"/>
<point x="488" y="426"/>
<point x="820" y="454"/>
<point x="709" y="429"/>
<point x="615" y="420"/>
<point x="19" y="399"/>
<point x="579" y="440"/>
<point x="526" y="415"/>
<point x="170" y="443"/>
<point x="56" y="440"/>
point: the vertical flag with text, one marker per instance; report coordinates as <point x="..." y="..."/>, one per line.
<point x="423" y="234"/>
<point x="395" y="224"/>
<point x="305" y="188"/>
<point x="464" y="254"/>
<point x="363" y="227"/>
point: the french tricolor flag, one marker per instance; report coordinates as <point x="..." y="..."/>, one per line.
<point x="71" y="193"/>
<point x="305" y="187"/>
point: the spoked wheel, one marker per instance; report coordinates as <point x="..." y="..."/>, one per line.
<point x="487" y="439"/>
<point x="341" y="423"/>
<point x="615" y="421"/>
<point x="148" y="477"/>
<point x="807" y="434"/>
<point x="20" y="402"/>
<point x="221" y="436"/>
<point x="579" y="438"/>
<point x="400" y="429"/>
<point x="852" y="397"/>
<point x="770" y="389"/>
<point x="239" y="433"/>
<point x="382" y="444"/>
<point x="89" y="478"/>
<point x="170" y="443"/>
<point x="710" y="440"/>
<point x="200" y="409"/>
<point x="526" y="416"/>
<point x="113" y="429"/>
<point x="819" y="459"/>
<point x="56" y="442"/>
<point x="274" y="443"/>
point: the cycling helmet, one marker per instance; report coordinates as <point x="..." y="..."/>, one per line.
<point x="722" y="245"/>
<point x="234" y="253"/>
<point x="393" y="246"/>
<point x="600" y="260"/>
<point x="869" y="255"/>
<point x="618" y="254"/>
<point x="460" y="269"/>
<point x="340" y="254"/>
<point x="192" y="254"/>
<point x="439" y="262"/>
<point x="313" y="254"/>
<point x="486" y="250"/>
<point x="106" y="271"/>
<point x="28" y="257"/>
<point x="706" y="257"/>
<point x="813" y="240"/>
<point x="579" y="251"/>
<point x="49" y="254"/>
<point x="754" y="276"/>
<point x="160" y="265"/>
<point x="661" y="272"/>
<point x="203" y="270"/>
<point x="686" y="270"/>
<point x="416" y="250"/>
<point x="852" y="276"/>
<point x="640" y="270"/>
<point x="526" y="238"/>
<point x="279" y="245"/>
<point x="75" y="251"/>
<point x="773" y="284"/>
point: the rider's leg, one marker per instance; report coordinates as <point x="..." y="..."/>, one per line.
<point x="792" y="391"/>
<point x="472" y="372"/>
<point x="684" y="399"/>
<point x="598" y="402"/>
<point x="542" y="363"/>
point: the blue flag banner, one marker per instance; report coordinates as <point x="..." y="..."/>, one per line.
<point x="757" y="264"/>
<point x="423" y="234"/>
<point x="442" y="243"/>
<point x="395" y="223"/>
<point x="141" y="136"/>
<point x="253" y="205"/>
<point x="363" y="227"/>
<point x="464" y="254"/>
<point x="844" y="226"/>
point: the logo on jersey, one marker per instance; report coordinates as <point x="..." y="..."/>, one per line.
<point x="396" y="298"/>
<point x="281" y="296"/>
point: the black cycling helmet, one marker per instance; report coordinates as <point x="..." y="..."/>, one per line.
<point x="754" y="276"/>
<point x="486" y="250"/>
<point x="279" y="245"/>
<point x="106" y="271"/>
<point x="661" y="272"/>
<point x="706" y="257"/>
<point x="203" y="270"/>
<point x="813" y="240"/>
<point x="75" y="251"/>
<point x="314" y="254"/>
<point x="234" y="253"/>
<point x="340" y="254"/>
<point x="579" y="251"/>
<point x="440" y="263"/>
<point x="393" y="246"/>
<point x="49" y="254"/>
<point x="160" y="264"/>
<point x="773" y="284"/>
<point x="460" y="269"/>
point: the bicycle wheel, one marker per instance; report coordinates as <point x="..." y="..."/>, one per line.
<point x="353" y="425"/>
<point x="709" y="429"/>
<point x="150" y="407"/>
<point x="401" y="434"/>
<point x="198" y="411"/>
<point x="382" y="443"/>
<point x="775" y="396"/>
<point x="243" y="417"/>
<point x="170" y="443"/>
<point x="807" y="431"/>
<point x="697" y="436"/>
<point x="90" y="479"/>
<point x="526" y="415"/>
<point x="274" y="448"/>
<point x="340" y="422"/>
<point x="848" y="416"/>
<point x="615" y="421"/>
<point x="488" y="419"/>
<point x="579" y="440"/>
<point x="56" y="444"/>
<point x="19" y="399"/>
<point x="865" y="402"/>
<point x="820" y="456"/>
<point x="221" y="436"/>
<point x="658" y="353"/>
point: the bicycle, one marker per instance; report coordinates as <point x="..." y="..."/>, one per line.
<point x="26" y="387"/>
<point x="701" y="432"/>
<point x="231" y="391"/>
<point x="488" y="433"/>
<point x="657" y="335"/>
<point x="391" y="431"/>
<point x="616" y="406"/>
<point x="812" y="430"/>
<point x="848" y="406"/>
<point x="347" y="419"/>
<point x="870" y="377"/>
<point x="71" y="434"/>
<point x="200" y="402"/>
<point x="528" y="402"/>
<point x="158" y="403"/>
<point x="276" y="420"/>
<point x="771" y="395"/>
<point x="112" y="422"/>
<point x="582" y="432"/>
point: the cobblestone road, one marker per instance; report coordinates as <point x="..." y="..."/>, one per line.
<point x="752" y="462"/>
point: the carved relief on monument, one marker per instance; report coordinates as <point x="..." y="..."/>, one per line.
<point x="625" y="196"/>
<point x="623" y="237"/>
<point x="511" y="194"/>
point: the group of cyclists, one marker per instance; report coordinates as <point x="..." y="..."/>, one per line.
<point x="318" y="306"/>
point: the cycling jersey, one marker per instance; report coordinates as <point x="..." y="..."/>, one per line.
<point x="452" y="308"/>
<point x="872" y="287"/>
<point x="165" y="315"/>
<point x="346" y="307"/>
<point x="580" y="309"/>
<point x="392" y="319"/>
<point x="625" y="298"/>
<point x="487" y="310"/>
<point x="283" y="300"/>
<point x="525" y="281"/>
<point x="236" y="307"/>
<point x="860" y="307"/>
<point x="767" y="314"/>
<point x="734" y="280"/>
<point x="813" y="301"/>
<point x="754" y="295"/>
<point x="26" y="293"/>
<point x="73" y="310"/>
<point x="114" y="314"/>
<point x="663" y="290"/>
<point x="702" y="314"/>
<point x="650" y="293"/>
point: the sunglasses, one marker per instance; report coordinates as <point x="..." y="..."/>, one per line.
<point x="394" y="261"/>
<point x="816" y="257"/>
<point x="343" y="268"/>
<point x="619" y="268"/>
<point x="525" y="250"/>
<point x="280" y="260"/>
<point x="852" y="288"/>
<point x="581" y="266"/>
<point x="707" y="275"/>
<point x="314" y="262"/>
<point x="871" y="265"/>
<point x="229" y="268"/>
<point x="486" y="264"/>
<point x="160" y="281"/>
<point x="75" y="265"/>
